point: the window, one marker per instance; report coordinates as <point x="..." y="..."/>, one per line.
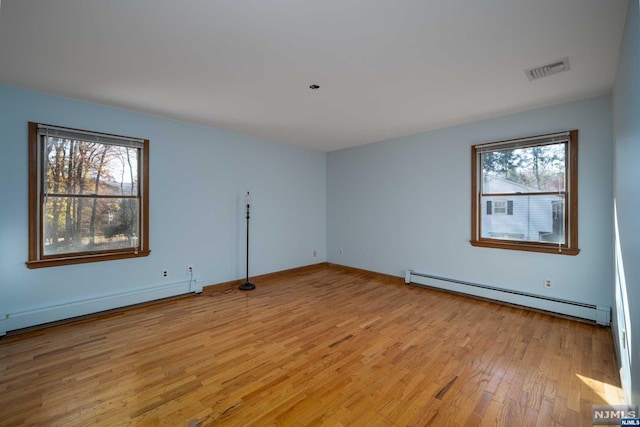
<point x="525" y="194"/>
<point x="504" y="207"/>
<point x="88" y="196"/>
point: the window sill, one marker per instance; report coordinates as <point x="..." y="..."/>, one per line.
<point x="53" y="262"/>
<point x="530" y="247"/>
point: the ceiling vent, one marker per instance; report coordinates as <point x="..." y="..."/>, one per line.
<point x="548" y="69"/>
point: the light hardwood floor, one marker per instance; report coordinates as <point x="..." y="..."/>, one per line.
<point x="328" y="346"/>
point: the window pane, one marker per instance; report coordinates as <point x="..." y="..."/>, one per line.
<point x="537" y="218"/>
<point x="82" y="224"/>
<point x="500" y="207"/>
<point x="80" y="167"/>
<point x="524" y="170"/>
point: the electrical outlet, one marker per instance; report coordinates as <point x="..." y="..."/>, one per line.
<point x="547" y="283"/>
<point x="341" y="251"/>
<point x="315" y="253"/>
<point x="165" y="273"/>
<point x="190" y="269"/>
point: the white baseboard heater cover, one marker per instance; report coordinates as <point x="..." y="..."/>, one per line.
<point x="41" y="315"/>
<point x="600" y="314"/>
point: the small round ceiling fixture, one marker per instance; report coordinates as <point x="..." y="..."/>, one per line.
<point x="314" y="87"/>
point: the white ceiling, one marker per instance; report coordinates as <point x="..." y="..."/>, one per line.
<point x="386" y="68"/>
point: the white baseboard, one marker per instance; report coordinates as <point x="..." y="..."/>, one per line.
<point x="41" y="315"/>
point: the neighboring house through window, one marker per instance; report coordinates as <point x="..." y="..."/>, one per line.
<point x="525" y="193"/>
<point x="88" y="196"/>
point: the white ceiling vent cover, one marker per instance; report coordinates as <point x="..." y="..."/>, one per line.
<point x="548" y="69"/>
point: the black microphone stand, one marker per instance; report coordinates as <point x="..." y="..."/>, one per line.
<point x="247" y="286"/>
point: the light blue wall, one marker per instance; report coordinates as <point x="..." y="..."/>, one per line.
<point x="406" y="204"/>
<point x="198" y="176"/>
<point x="626" y="132"/>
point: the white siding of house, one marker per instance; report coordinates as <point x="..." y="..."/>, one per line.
<point x="532" y="215"/>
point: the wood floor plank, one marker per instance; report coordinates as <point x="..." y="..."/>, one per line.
<point x="327" y="346"/>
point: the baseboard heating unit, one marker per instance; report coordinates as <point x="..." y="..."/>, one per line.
<point x="600" y="314"/>
<point x="68" y="310"/>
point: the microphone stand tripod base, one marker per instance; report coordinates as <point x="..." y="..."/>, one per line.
<point x="246" y="286"/>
